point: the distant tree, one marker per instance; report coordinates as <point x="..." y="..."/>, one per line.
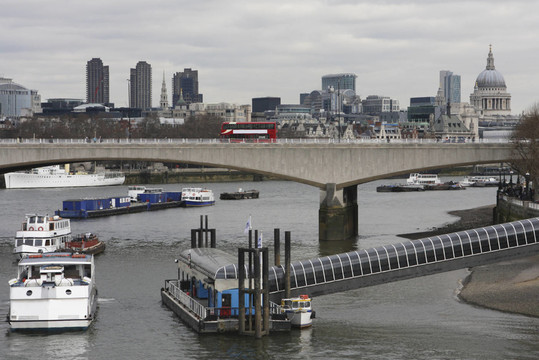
<point x="201" y="127"/>
<point x="526" y="144"/>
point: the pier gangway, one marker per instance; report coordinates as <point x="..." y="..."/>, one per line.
<point x="404" y="260"/>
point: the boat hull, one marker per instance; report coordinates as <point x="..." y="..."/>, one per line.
<point x="17" y="180"/>
<point x="188" y="203"/>
<point x="300" y="319"/>
<point x="51" y="325"/>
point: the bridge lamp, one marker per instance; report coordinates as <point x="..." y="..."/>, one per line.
<point x="511" y="178"/>
<point x="527" y="185"/>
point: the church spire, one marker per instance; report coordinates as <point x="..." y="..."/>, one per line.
<point x="164" y="97"/>
<point x="490" y="59"/>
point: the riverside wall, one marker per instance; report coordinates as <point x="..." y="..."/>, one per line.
<point x="511" y="209"/>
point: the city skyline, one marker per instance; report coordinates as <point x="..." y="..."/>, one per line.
<point x="243" y="50"/>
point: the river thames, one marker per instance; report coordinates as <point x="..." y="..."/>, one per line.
<point x="420" y="318"/>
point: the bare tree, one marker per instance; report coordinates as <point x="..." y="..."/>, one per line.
<point x="526" y="144"/>
<point x="201" y="127"/>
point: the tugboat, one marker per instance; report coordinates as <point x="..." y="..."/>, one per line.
<point x="87" y="243"/>
<point x="298" y="310"/>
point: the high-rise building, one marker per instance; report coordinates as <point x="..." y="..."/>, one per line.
<point x="185" y="85"/>
<point x="97" y="82"/>
<point x="450" y="85"/>
<point x="375" y="104"/>
<point x="339" y="81"/>
<point x="265" y="103"/>
<point x="141" y="86"/>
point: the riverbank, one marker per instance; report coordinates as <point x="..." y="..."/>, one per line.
<point x="510" y="286"/>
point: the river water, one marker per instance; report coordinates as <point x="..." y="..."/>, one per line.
<point x="420" y="318"/>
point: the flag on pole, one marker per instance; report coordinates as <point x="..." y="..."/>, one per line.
<point x="260" y="240"/>
<point x="247" y="226"/>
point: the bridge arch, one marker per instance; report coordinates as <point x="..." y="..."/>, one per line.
<point x="335" y="168"/>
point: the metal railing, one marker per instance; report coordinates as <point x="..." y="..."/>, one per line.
<point x="521" y="203"/>
<point x="218" y="141"/>
<point x="197" y="308"/>
<point x="203" y="312"/>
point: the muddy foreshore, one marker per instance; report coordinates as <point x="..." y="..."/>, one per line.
<point x="511" y="286"/>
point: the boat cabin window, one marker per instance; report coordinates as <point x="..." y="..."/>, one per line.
<point x="287" y="304"/>
<point x="71" y="272"/>
<point x="32" y="220"/>
<point x="38" y="242"/>
<point x="29" y="242"/>
<point x="295" y="305"/>
<point x="47" y="242"/>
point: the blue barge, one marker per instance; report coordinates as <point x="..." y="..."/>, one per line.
<point x="98" y="207"/>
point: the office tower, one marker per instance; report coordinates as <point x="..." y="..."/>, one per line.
<point x="141" y="86"/>
<point x="97" y="82"/>
<point x="450" y="85"/>
<point x="339" y="81"/>
<point x="186" y="84"/>
<point x="265" y="103"/>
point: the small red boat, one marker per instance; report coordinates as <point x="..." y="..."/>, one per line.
<point x="87" y="243"/>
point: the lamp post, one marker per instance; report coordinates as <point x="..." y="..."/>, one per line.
<point x="527" y="185"/>
<point x="511" y="178"/>
<point x="331" y="91"/>
<point x="339" y="108"/>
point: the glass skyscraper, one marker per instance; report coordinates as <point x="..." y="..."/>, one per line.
<point x="450" y="85"/>
<point x="339" y="81"/>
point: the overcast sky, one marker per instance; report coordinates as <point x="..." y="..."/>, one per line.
<point x="245" y="49"/>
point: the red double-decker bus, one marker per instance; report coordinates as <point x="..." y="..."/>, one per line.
<point x="249" y="132"/>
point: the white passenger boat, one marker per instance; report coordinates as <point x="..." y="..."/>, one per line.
<point x="42" y="233"/>
<point x="53" y="291"/>
<point x="479" y="181"/>
<point x="423" y="179"/>
<point x="197" y="197"/>
<point x="55" y="177"/>
<point x="298" y="310"/>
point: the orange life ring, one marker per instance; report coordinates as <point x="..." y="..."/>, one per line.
<point x="31" y="228"/>
<point x="40" y="228"/>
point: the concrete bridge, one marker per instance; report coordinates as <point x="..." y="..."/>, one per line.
<point x="335" y="168"/>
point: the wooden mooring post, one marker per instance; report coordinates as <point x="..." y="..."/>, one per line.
<point x="199" y="237"/>
<point x="257" y="290"/>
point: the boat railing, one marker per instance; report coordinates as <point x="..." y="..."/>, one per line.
<point x="197" y="308"/>
<point x="213" y="313"/>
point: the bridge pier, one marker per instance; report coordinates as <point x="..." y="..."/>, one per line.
<point x="338" y="214"/>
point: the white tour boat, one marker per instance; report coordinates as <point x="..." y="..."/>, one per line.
<point x="423" y="179"/>
<point x="42" y="233"/>
<point x="479" y="181"/>
<point x="55" y="177"/>
<point x="298" y="310"/>
<point x="53" y="291"/>
<point x="197" y="197"/>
